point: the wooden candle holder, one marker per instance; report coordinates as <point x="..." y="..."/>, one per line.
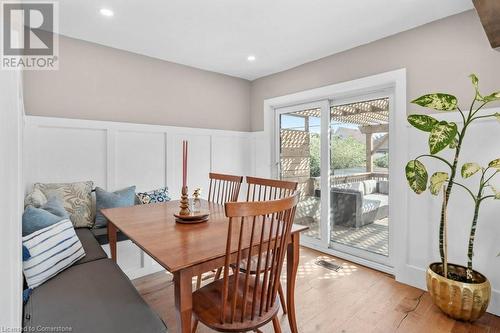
<point x="184" y="203"/>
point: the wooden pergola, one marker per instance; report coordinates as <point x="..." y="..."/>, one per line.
<point x="370" y="116"/>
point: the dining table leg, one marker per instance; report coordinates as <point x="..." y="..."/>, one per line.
<point x="112" y="240"/>
<point x="183" y="292"/>
<point x="292" y="265"/>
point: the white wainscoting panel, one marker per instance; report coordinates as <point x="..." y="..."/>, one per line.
<point x="66" y="155"/>
<point x="199" y="162"/>
<point x="140" y="159"/>
<point x="117" y="155"/>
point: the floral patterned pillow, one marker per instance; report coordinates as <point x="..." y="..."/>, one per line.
<point x="76" y="198"/>
<point x="156" y="196"/>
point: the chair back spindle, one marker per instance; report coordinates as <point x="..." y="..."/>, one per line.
<point x="224" y="188"/>
<point x="262" y="189"/>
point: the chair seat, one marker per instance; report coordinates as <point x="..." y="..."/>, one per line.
<point x="207" y="306"/>
<point x="253" y="264"/>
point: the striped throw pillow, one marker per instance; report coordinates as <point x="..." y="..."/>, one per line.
<point x="49" y="251"/>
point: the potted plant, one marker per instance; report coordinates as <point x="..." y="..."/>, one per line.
<point x="460" y="292"/>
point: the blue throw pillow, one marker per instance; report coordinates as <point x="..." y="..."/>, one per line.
<point x="155" y="196"/>
<point x="35" y="219"/>
<point x="104" y="199"/>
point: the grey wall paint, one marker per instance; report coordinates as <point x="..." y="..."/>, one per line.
<point x="438" y="57"/>
<point x="102" y="83"/>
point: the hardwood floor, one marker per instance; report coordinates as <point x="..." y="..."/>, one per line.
<point x="355" y="299"/>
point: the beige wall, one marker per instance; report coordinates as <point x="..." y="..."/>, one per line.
<point x="102" y="83"/>
<point x="438" y="57"/>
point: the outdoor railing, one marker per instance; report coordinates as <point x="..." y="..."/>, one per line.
<point x="352" y="178"/>
<point x="358" y="177"/>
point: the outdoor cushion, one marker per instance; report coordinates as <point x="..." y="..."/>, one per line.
<point x="76" y="198"/>
<point x="370" y="186"/>
<point x="383" y="199"/>
<point x="93" y="297"/>
<point x="93" y="251"/>
<point x="383" y="186"/>
<point x="356" y="186"/>
<point x="104" y="199"/>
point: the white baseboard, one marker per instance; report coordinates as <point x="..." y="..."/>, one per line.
<point x="140" y="272"/>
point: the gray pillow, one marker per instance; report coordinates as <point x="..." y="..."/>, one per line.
<point x="383" y="187"/>
<point x="35" y="219"/>
<point x="104" y="199"/>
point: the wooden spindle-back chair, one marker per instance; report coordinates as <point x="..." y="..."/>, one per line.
<point x="224" y="188"/>
<point x="262" y="189"/>
<point x="241" y="302"/>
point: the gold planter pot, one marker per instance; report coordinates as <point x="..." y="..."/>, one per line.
<point x="459" y="300"/>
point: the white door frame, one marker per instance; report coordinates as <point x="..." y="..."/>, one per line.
<point x="396" y="81"/>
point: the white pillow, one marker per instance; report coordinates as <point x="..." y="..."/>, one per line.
<point x="49" y="251"/>
<point x="370" y="186"/>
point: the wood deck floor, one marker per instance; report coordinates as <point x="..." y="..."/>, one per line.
<point x="355" y="299"/>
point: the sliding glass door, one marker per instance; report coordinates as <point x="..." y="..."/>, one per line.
<point x="338" y="152"/>
<point x="301" y="158"/>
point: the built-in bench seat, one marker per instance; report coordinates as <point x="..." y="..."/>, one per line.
<point x="93" y="295"/>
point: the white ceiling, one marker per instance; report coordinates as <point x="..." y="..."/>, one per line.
<point x="218" y="35"/>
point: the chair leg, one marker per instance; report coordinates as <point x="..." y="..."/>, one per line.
<point x="195" y="326"/>
<point x="198" y="282"/>
<point x="282" y="297"/>
<point x="218" y="274"/>
<point x="276" y="325"/>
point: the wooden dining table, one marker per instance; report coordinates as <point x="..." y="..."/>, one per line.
<point x="187" y="250"/>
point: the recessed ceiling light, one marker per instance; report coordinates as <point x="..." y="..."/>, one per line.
<point x="106" y="12"/>
<point x="251" y="58"/>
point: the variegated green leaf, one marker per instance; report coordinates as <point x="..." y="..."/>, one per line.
<point x="468" y="169"/>
<point x="474" y="79"/>
<point x="422" y="122"/>
<point x="495" y="164"/>
<point x="437" y="101"/>
<point x="441" y="136"/>
<point x="492" y="97"/>
<point x="496" y="193"/>
<point x="417" y="176"/>
<point x="453" y="144"/>
<point x="497" y="115"/>
<point x="475" y="83"/>
<point x="437" y="181"/>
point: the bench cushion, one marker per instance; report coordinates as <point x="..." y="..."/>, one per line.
<point x="101" y="234"/>
<point x="93" y="297"/>
<point x="93" y="251"/>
